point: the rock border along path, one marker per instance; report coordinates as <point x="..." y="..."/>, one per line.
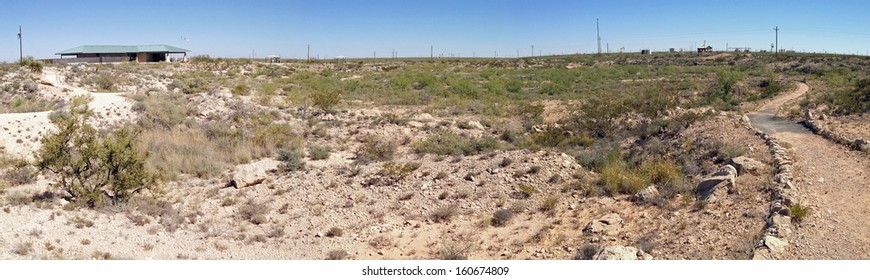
<point x="858" y="144"/>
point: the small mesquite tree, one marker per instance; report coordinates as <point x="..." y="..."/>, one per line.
<point x="92" y="170"/>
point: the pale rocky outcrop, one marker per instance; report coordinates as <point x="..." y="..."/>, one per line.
<point x="724" y="178"/>
<point x="747" y="165"/>
<point x="610" y="224"/>
<point x="647" y="195"/>
<point x="251" y="174"/>
<point x="621" y="253"/>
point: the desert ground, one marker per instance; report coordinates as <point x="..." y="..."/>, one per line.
<point x="628" y="156"/>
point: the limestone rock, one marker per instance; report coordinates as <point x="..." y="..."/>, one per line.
<point x="647" y="195"/>
<point x="621" y="253"/>
<point x="475" y="125"/>
<point x="747" y="165"/>
<point x="424" y="118"/>
<point x="610" y="224"/>
<point x="724" y="178"/>
<point x="775" y="245"/>
<point x="251" y="174"/>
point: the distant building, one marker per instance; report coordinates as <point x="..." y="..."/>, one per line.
<point x="705" y="48"/>
<point x="116" y="53"/>
<point x="645" y="51"/>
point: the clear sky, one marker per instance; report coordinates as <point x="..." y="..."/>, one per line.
<point x="459" y="27"/>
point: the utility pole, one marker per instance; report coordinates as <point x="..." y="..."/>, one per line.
<point x="598" y="34"/>
<point x="608" y="47"/>
<point x="777" y="39"/>
<point x="533" y="50"/>
<point x="518" y="53"/>
<point x="308" y="55"/>
<point x="20" y="48"/>
<point x="431" y="52"/>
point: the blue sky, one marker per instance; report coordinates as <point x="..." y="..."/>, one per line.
<point x="360" y="28"/>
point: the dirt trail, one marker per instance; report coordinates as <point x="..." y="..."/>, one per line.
<point x="20" y="132"/>
<point x="832" y="180"/>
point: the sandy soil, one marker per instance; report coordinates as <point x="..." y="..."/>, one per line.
<point x="20" y="133"/>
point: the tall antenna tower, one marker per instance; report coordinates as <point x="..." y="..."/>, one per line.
<point x="598" y="34"/>
<point x="20" y="47"/>
<point x="777" y="38"/>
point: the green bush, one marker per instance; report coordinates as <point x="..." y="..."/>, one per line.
<point x="444" y="214"/>
<point x="291" y="160"/>
<point x="502" y="217"/>
<point x="526" y="190"/>
<point x="21" y="173"/>
<point x="91" y="169"/>
<point x="445" y="142"/>
<point x="375" y="149"/>
<point x="325" y="100"/>
<point x="32" y="64"/>
<point x="798" y="212"/>
<point x="855" y="100"/>
<point x="318" y="152"/>
<point x="241" y="89"/>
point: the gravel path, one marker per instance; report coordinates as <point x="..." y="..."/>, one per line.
<point x="832" y="180"/>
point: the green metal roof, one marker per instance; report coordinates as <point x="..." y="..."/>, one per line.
<point x="121" y="49"/>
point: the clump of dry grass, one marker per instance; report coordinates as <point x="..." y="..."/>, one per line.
<point x="254" y="212"/>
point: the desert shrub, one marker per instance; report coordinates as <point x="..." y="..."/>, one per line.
<point x="455" y="250"/>
<point x="444" y="214"/>
<point x="771" y="86"/>
<point x="32" y="64"/>
<point x="723" y="151"/>
<point x="318" y="152"/>
<point x="462" y="87"/>
<point x="424" y="80"/>
<point x="325" y="100"/>
<point x="241" y="89"/>
<point x="514" y="85"/>
<point x="23" y="248"/>
<point x="163" y="111"/>
<point x="798" y="212"/>
<point x="559" y="138"/>
<point x="505" y="162"/>
<point x="334" y="232"/>
<point x="549" y="204"/>
<point x="337" y="255"/>
<point x="501" y="217"/>
<point x="254" y="212"/>
<point x="526" y="190"/>
<point x="617" y="177"/>
<point x="191" y="83"/>
<point x="855" y="100"/>
<point x="375" y="149"/>
<point x="445" y="142"/>
<point x="291" y="160"/>
<point x="184" y="150"/>
<point x="21" y="173"/>
<point x="587" y="252"/>
<point x="721" y="94"/>
<point x="90" y="168"/>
